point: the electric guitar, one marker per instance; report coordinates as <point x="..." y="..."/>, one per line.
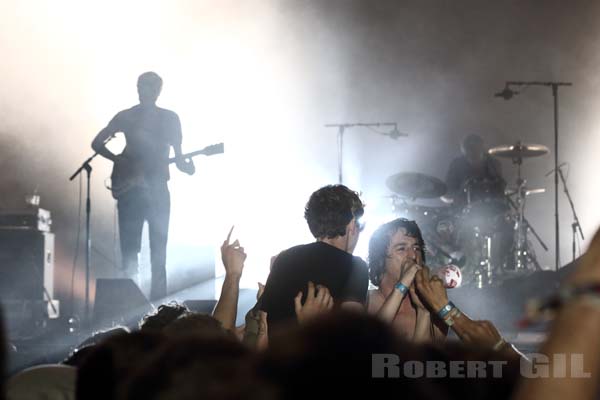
<point x="127" y="174"/>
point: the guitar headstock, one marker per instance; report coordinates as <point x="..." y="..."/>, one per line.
<point x="218" y="148"/>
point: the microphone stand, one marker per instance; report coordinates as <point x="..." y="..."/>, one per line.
<point x="575" y="225"/>
<point x="340" y="138"/>
<point x="87" y="167"/>
<point x="554" y="86"/>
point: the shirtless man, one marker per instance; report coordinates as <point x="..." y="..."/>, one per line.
<point x="396" y="253"/>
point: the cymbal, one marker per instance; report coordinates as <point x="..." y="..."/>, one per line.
<point x="416" y="185"/>
<point x="519" y="150"/>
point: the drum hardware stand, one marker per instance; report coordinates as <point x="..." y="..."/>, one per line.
<point x="575" y="226"/>
<point x="394" y="134"/>
<point x="521" y="236"/>
<point x="484" y="273"/>
<point x="525" y="227"/>
<point x="507" y="94"/>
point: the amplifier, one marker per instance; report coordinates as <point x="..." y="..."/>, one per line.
<point x="26" y="265"/>
<point x="28" y="218"/>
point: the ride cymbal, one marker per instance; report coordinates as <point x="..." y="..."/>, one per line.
<point x="519" y="151"/>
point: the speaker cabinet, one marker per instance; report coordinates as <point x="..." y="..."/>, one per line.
<point x="118" y="302"/>
<point x="26" y="265"/>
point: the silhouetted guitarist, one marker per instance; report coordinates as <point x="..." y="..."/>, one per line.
<point x="140" y="175"/>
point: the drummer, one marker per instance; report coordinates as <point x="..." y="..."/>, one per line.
<point x="475" y="165"/>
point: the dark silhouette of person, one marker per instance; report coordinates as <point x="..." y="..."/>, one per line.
<point x="150" y="132"/>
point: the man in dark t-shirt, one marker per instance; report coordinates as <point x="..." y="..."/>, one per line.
<point x="475" y="174"/>
<point x="142" y="193"/>
<point x="333" y="215"/>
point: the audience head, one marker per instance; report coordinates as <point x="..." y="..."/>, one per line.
<point x="335" y="211"/>
<point x="196" y="367"/>
<point x="191" y="323"/>
<point x="163" y="316"/>
<point x="333" y="353"/>
<point x="84" y="348"/>
<point x="112" y="361"/>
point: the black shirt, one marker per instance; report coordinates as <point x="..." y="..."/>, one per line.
<point x="461" y="172"/>
<point x="149" y="135"/>
<point x="345" y="276"/>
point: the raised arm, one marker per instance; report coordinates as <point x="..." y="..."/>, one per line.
<point x="233" y="257"/>
<point x="390" y="307"/>
<point x="476" y="333"/>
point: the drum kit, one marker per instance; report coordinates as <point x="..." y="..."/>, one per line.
<point x="487" y="235"/>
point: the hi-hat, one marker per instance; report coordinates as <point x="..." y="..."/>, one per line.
<point x="416" y="185"/>
<point x="519" y="151"/>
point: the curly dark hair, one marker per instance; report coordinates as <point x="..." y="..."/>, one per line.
<point x="380" y="241"/>
<point x="163" y="316"/>
<point x="330" y="209"/>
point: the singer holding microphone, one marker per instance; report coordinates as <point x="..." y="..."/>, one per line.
<point x="412" y="298"/>
<point x="396" y="255"/>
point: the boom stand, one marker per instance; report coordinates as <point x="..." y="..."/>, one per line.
<point x="554" y="86"/>
<point x="394" y="134"/>
<point x="575" y="225"/>
<point x="86" y="166"/>
<point x="88" y="242"/>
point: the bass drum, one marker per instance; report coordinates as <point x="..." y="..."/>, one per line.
<point x="486" y="244"/>
<point x="486" y="207"/>
<point x="442" y="243"/>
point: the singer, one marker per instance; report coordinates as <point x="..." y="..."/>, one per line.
<point x="396" y="255"/>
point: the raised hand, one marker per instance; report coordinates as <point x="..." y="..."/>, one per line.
<point x="233" y="256"/>
<point x="431" y="289"/>
<point x="315" y="304"/>
<point x="415" y="300"/>
<point x="261" y="290"/>
<point x="409" y="270"/>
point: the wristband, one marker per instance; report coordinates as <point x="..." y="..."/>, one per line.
<point x="402" y="288"/>
<point x="449" y="321"/>
<point x="446" y="309"/>
<point x="450" y="318"/>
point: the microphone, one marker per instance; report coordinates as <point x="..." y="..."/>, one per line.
<point x="506" y="94"/>
<point x="559" y="167"/>
<point x="395" y="133"/>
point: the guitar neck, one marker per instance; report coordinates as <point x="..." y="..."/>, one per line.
<point x="218" y="148"/>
